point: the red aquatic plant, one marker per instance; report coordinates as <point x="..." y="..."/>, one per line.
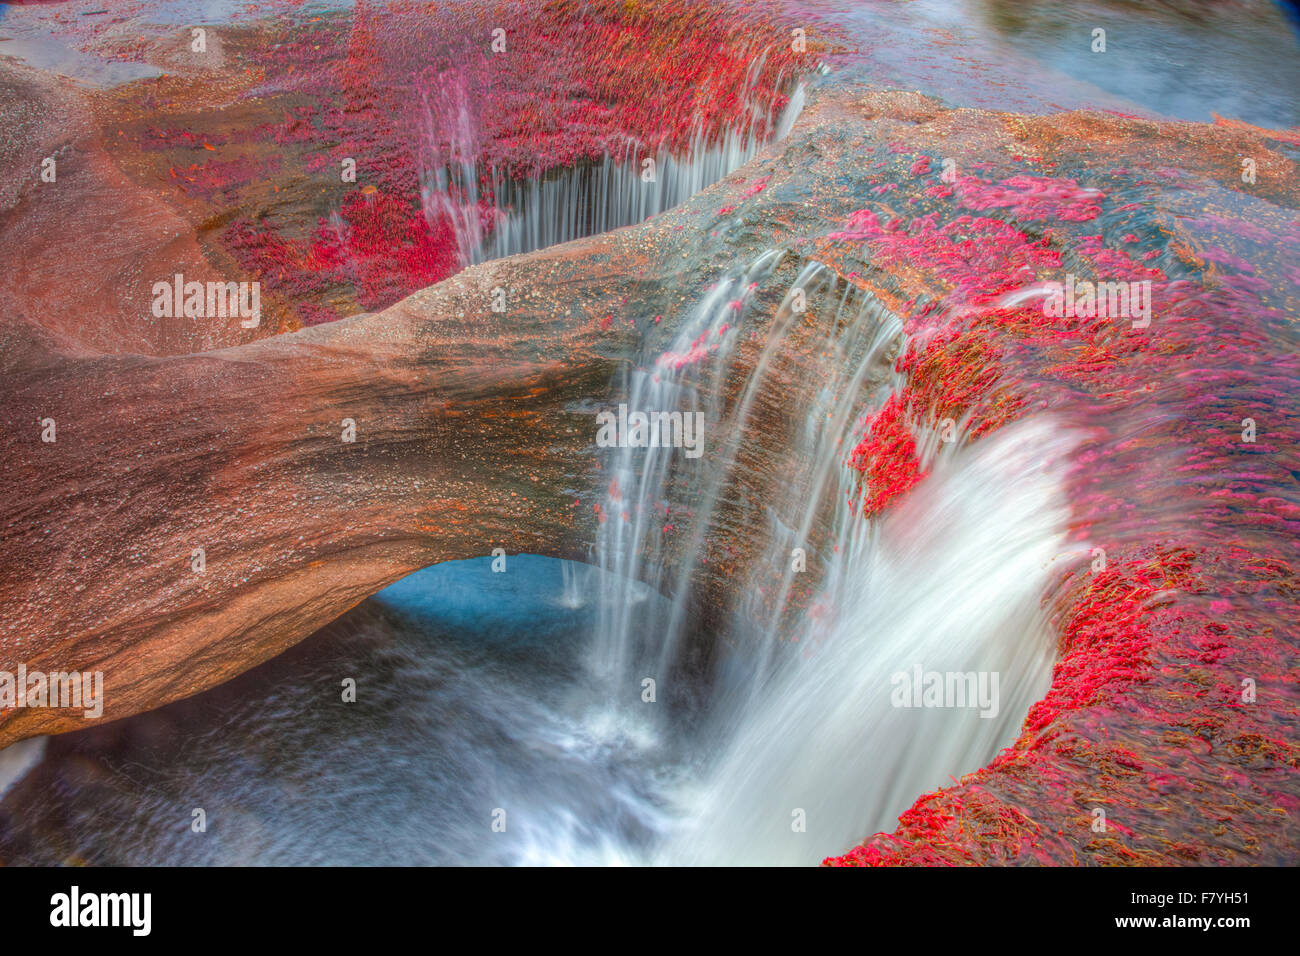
<point x="1196" y="514"/>
<point x="886" y="457"/>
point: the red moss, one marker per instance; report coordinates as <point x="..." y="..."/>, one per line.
<point x="887" y="458"/>
<point x="383" y="249"/>
<point x="1105" y="638"/>
<point x="1199" y="525"/>
<point x="408" y="90"/>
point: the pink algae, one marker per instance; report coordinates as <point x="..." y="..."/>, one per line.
<point x="1154" y="639"/>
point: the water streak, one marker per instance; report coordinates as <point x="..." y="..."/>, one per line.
<point x="950" y="582"/>
<point x="494" y="214"/>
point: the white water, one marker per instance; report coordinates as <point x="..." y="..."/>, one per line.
<point x="630" y="542"/>
<point x="577" y="201"/>
<point x="802" y="724"/>
<point x="951" y="580"/>
<point x="587" y="200"/>
<point x="797" y="721"/>
<point x="522" y="691"/>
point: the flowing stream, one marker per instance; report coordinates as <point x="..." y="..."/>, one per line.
<point x="520" y="698"/>
<point x="565" y="712"/>
<point x="580" y="200"/>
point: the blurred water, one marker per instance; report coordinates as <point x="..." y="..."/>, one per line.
<point x="521" y="692"/>
<point x="950" y="582"/>
<point x="521" y="696"/>
<point x="469" y="698"/>
<point x="1182" y="60"/>
<point x="473" y="697"/>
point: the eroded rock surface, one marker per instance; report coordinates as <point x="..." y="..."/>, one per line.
<point x="474" y="430"/>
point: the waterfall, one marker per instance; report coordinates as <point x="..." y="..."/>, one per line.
<point x="803" y="751"/>
<point x="449" y="177"/>
<point x="494" y="214"/>
<point x="769" y="731"/>
<point x="950" y="582"/>
<point x="586" y="200"/>
<point x="572" y="595"/>
<point x="799" y="749"/>
<point x="635" y="515"/>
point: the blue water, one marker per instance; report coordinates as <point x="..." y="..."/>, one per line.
<point x="471" y="698"/>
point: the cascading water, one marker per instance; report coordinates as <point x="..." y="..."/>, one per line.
<point x="590" y="199"/>
<point x="449" y="178"/>
<point x="741" y="673"/>
<point x="793" y="714"/>
<point x="949" y="583"/>
<point x="495" y="215"/>
<point x="804" y="749"/>
<point x="630" y="543"/>
<point x="786" y="747"/>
